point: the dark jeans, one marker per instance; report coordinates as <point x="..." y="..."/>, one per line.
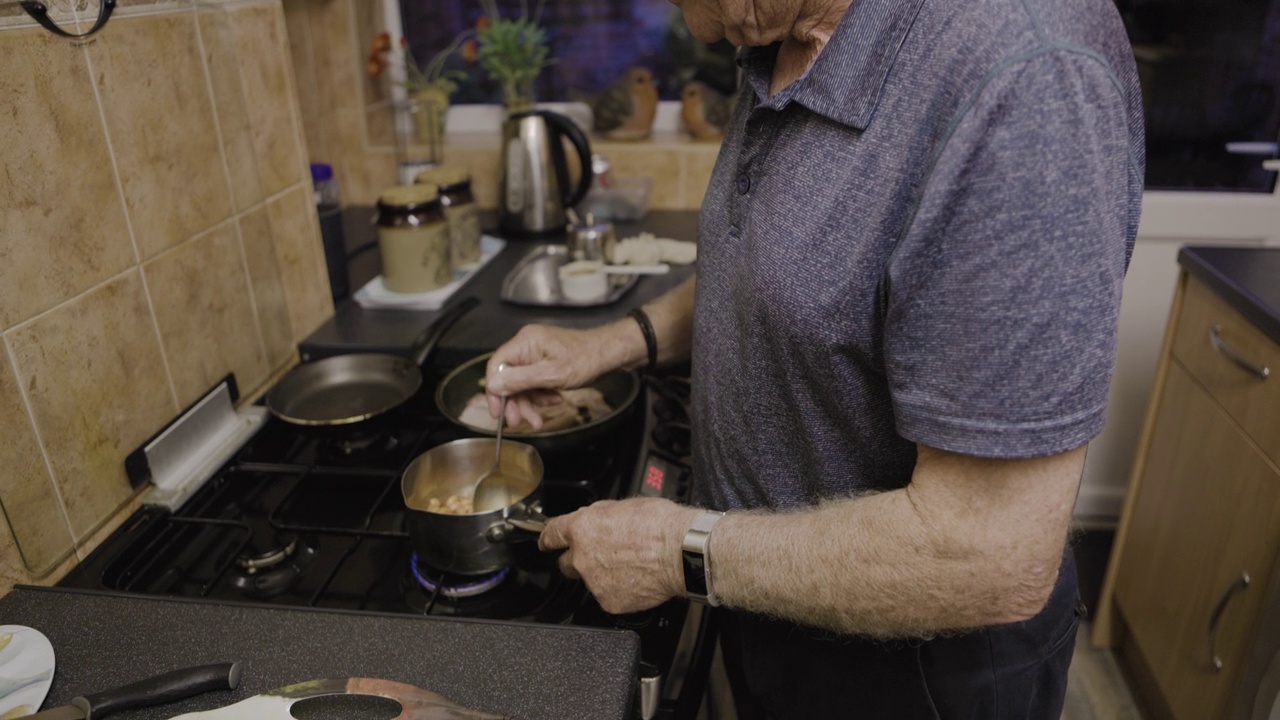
<point x="781" y="671"/>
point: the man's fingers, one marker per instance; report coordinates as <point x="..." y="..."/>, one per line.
<point x="521" y="406"/>
<point x="555" y="536"/>
<point x="566" y="566"/>
<point x="520" y="378"/>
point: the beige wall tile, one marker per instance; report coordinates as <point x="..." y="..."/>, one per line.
<point x="296" y="230"/>
<point x="338" y="62"/>
<point x="12" y="571"/>
<point x="268" y="288"/>
<point x="264" y="62"/>
<point x="12" y="15"/>
<point x="297" y="17"/>
<point x="699" y="164"/>
<point x="200" y="292"/>
<point x="160" y="118"/>
<point x="638" y="159"/>
<point x="97" y="387"/>
<point x="223" y="61"/>
<point x="58" y="195"/>
<point x="27" y="493"/>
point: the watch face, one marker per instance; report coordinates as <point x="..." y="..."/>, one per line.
<point x="695" y="574"/>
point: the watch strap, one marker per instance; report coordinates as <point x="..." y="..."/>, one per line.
<point x="695" y="558"/>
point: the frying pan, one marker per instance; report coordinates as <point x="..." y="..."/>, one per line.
<point x="346" y="389"/>
<point x="620" y="389"/>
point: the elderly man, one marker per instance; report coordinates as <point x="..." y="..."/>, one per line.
<point x="902" y="335"/>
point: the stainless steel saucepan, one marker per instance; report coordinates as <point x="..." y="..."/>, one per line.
<point x="474" y="543"/>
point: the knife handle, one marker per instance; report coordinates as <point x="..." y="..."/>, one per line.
<point x="161" y="689"/>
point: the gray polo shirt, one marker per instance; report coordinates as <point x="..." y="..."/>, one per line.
<point x="921" y="241"/>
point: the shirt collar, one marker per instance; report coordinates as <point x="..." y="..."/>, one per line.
<point x="845" y="81"/>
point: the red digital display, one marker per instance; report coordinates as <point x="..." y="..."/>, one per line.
<point x="654" y="478"/>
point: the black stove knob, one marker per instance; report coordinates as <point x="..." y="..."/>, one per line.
<point x="675" y="438"/>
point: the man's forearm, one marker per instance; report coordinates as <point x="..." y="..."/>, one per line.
<point x="907" y="562"/>
<point x="672" y="319"/>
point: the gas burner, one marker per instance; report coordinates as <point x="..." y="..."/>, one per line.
<point x="256" y="559"/>
<point x="267" y="582"/>
<point x="358" y="445"/>
<point x="468" y="585"/>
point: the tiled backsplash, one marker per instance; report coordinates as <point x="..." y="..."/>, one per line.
<point x="157" y="231"/>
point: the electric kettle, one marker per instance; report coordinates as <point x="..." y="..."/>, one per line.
<point x="535" y="173"/>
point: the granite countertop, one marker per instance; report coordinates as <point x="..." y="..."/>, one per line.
<point x="356" y="329"/>
<point x="1247" y="278"/>
<point x="105" y="640"/>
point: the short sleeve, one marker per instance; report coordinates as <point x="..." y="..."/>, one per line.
<point x="1003" y="294"/>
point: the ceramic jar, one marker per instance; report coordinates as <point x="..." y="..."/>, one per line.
<point x="413" y="239"/>
<point x="460" y="210"/>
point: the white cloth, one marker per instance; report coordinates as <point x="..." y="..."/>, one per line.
<point x="375" y="294"/>
<point x="647" y="249"/>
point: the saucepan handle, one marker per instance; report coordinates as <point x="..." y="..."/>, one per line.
<point x="529" y="519"/>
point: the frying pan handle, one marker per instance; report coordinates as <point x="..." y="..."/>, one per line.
<point x="427" y="341"/>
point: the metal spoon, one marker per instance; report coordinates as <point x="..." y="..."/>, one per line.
<point x="493" y="491"/>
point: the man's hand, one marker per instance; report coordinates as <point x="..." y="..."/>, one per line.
<point x="627" y="552"/>
<point x="541" y="359"/>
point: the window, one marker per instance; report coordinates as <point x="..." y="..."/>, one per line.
<point x="593" y="42"/>
<point x="1209" y="71"/>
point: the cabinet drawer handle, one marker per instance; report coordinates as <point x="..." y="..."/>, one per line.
<point x="1215" y="339"/>
<point x="1237" y="587"/>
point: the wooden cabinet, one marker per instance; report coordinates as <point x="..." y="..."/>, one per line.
<point x="1198" y="543"/>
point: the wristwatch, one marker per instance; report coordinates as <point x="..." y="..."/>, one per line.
<point x="697" y="560"/>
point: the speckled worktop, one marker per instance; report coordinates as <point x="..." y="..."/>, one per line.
<point x="355" y="329"/>
<point x="101" y="641"/>
<point x="1248" y="279"/>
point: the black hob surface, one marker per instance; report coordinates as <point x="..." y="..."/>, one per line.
<point x="316" y="518"/>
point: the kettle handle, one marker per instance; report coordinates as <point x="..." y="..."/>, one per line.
<point x="566" y="127"/>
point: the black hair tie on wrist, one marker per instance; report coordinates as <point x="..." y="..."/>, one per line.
<point x="650" y="337"/>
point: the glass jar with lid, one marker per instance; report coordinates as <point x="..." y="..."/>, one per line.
<point x="460" y="210"/>
<point x="413" y="239"/>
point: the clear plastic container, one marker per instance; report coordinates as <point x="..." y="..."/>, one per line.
<point x="324" y="185"/>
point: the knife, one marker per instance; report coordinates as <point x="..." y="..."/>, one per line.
<point x="345" y="697"/>
<point x="166" y="688"/>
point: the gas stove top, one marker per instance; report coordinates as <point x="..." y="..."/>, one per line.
<point x="309" y="519"/>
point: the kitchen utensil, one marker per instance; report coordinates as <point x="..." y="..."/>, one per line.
<point x="593" y="241"/>
<point x="26" y="669"/>
<point x="493" y="490"/>
<point x="588" y="281"/>
<point x="158" y="690"/>
<point x="346" y="389"/>
<point x="480" y="542"/>
<point x="620" y="389"/>
<point x="535" y="281"/>
<point x="344" y="697"/>
<point x="535" y="176"/>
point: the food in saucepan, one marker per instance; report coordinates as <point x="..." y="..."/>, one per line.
<point x="577" y="407"/>
<point x="452" y="505"/>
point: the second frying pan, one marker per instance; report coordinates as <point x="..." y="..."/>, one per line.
<point x="346" y="389"/>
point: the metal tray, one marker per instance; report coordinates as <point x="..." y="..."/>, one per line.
<point x="535" y="281"/>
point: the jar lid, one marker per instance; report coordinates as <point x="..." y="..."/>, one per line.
<point x="408" y="196"/>
<point x="444" y="175"/>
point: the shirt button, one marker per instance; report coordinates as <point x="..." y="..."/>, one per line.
<point x="744" y="184"/>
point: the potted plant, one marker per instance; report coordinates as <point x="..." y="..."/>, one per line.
<point x="513" y="52"/>
<point x="429" y="88"/>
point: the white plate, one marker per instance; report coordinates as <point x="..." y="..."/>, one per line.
<point x="26" y="670"/>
